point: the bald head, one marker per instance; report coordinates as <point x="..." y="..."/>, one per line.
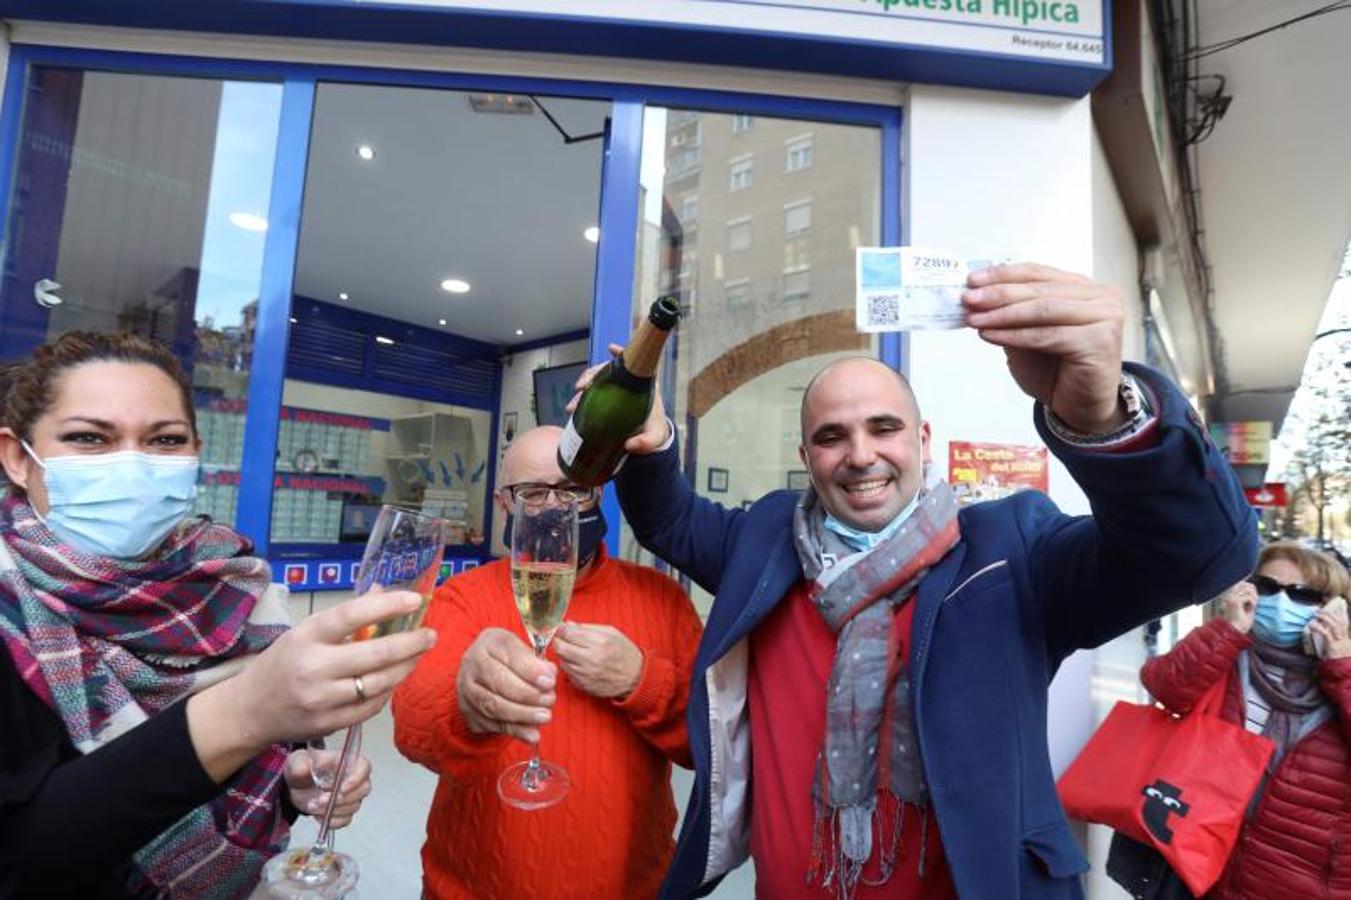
<point x="851" y="368"/>
<point x="863" y="442"/>
<point x="533" y="456"/>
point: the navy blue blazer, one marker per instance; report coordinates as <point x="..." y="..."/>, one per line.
<point x="1026" y="586"/>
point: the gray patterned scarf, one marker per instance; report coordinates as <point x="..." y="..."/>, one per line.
<point x="858" y="594"/>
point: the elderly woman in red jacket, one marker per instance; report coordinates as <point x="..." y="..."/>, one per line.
<point x="1284" y="650"/>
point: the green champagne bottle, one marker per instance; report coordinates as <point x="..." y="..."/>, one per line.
<point x="616" y="403"/>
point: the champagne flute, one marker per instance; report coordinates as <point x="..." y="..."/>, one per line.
<point x="285" y="875"/>
<point x="543" y="568"/>
<point x="403" y="553"/>
<point x="328" y="754"/>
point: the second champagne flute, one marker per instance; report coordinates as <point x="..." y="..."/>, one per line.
<point x="403" y="553"/>
<point x="543" y="568"/>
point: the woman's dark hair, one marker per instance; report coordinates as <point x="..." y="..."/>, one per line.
<point x="27" y="389"/>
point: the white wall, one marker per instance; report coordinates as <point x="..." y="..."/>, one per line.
<point x="1116" y="257"/>
<point x="518" y="392"/>
<point x="994" y="175"/>
<point x="518" y="383"/>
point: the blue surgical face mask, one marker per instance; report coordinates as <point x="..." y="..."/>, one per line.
<point x="1280" y="621"/>
<point x="866" y="540"/>
<point x="121" y="505"/>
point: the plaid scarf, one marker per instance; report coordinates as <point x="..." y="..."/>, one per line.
<point x="107" y="643"/>
<point x="857" y="594"/>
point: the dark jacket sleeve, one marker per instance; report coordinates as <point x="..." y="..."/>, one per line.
<point x="1170" y="528"/>
<point x="1206" y="655"/>
<point x="69" y="822"/>
<point x="690" y="532"/>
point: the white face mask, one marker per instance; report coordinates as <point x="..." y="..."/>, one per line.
<point x="866" y="540"/>
<point x="120" y="505"/>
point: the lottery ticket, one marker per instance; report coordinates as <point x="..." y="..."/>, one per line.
<point x="909" y="288"/>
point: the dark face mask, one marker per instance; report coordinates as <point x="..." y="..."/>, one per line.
<point x="591" y="529"/>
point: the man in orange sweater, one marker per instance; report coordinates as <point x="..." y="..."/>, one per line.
<point x="615" y="719"/>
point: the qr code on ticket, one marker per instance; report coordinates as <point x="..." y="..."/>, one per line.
<point x="884" y="309"/>
<point x="909" y="288"/>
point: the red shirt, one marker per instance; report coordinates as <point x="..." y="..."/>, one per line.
<point x="791" y="655"/>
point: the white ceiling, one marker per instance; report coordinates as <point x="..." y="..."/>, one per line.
<point x="1276" y="182"/>
<point x="497" y="200"/>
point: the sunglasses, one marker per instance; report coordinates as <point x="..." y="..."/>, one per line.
<point x="1300" y="593"/>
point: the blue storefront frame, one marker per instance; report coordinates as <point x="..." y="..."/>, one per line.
<point x="266" y="379"/>
<point x="618" y="207"/>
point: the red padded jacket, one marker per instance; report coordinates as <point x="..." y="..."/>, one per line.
<point x="1297" y="844"/>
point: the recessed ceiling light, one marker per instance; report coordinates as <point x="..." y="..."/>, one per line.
<point x="365" y="152"/>
<point x="519" y="332"/>
<point x="343" y="295"/>
<point x="248" y="221"/>
<point x="440" y="321"/>
<point x="592" y="234"/>
<point x="381" y="339"/>
<point x="455" y="286"/>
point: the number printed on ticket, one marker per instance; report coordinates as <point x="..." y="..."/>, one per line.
<point x="908" y="288"/>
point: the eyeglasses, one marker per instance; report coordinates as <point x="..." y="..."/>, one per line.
<point x="1300" y="593"/>
<point x="537" y="494"/>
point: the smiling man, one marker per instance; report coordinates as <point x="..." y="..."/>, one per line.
<point x="886" y="656"/>
<point x="864" y="445"/>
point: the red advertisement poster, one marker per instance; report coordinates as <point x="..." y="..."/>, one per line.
<point x="990" y="471"/>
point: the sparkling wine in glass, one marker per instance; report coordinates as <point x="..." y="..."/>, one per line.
<point x="543" y="569"/>
<point x="403" y="553"/>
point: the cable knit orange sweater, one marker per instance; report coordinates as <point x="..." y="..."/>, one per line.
<point x="612" y="835"/>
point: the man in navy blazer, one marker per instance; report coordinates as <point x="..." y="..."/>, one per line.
<point x="868" y="714"/>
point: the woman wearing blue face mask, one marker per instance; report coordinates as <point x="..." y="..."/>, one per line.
<point x="1281" y="643"/>
<point x="149" y="686"/>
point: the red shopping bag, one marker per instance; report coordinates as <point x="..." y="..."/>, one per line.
<point x="1178" y="784"/>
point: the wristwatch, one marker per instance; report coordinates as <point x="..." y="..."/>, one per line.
<point x="1134" y="401"/>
